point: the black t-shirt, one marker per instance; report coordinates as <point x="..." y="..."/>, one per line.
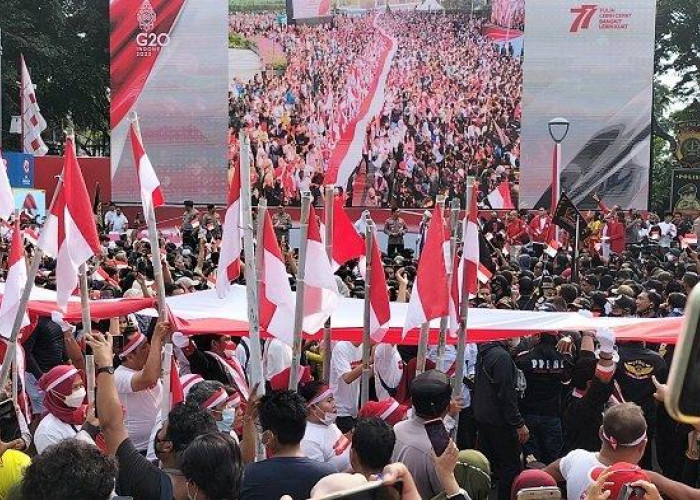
<point x="139" y="478"/>
<point x="275" y="477"/>
<point x="634" y="371"/>
<point x="545" y="370"/>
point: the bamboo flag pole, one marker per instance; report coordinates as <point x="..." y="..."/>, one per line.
<point x="366" y="347"/>
<point x="259" y="262"/>
<point x="462" y="330"/>
<point x="11" y="352"/>
<point x="445" y="320"/>
<point x="328" y="216"/>
<point x="300" y="285"/>
<point x="251" y="279"/>
<point x="167" y="352"/>
<point x="87" y="328"/>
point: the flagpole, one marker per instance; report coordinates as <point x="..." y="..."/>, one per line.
<point x="300" y="286"/>
<point x="21" y="99"/>
<point x="574" y="264"/>
<point x="462" y="330"/>
<point x="155" y="245"/>
<point x="328" y="224"/>
<point x="366" y="347"/>
<point x="259" y="260"/>
<point x="87" y="328"/>
<point x="251" y="280"/>
<point x="444" y="321"/>
<point x="22" y="307"/>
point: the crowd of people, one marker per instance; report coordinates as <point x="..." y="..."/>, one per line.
<point x="556" y="408"/>
<point x="452" y="108"/>
<point x="508" y="13"/>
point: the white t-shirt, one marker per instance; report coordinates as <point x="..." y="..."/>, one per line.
<point x="276" y="358"/>
<point x="51" y="431"/>
<point x="389" y="366"/>
<point x="325" y="443"/>
<point x="344" y="358"/>
<point x="140" y="408"/>
<point x="576" y="469"/>
<point x="447" y="362"/>
<point x="119" y="223"/>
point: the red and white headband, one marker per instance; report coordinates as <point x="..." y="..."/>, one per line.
<point x="189" y="380"/>
<point x="614" y="444"/>
<point x="70" y="373"/>
<point x="215" y="399"/>
<point x="324" y="395"/>
<point x="392" y="408"/>
<point x="134" y="341"/>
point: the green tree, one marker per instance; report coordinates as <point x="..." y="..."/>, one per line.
<point x="66" y="46"/>
<point x="678" y="43"/>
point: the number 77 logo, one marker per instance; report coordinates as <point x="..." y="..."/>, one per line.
<point x="583" y="17"/>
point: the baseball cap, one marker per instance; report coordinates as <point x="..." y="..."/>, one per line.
<point x="624" y="290"/>
<point x="622" y="473"/>
<point x="531" y="478"/>
<point x="624" y="302"/>
<point x="431" y="392"/>
<point x="186" y="282"/>
<point x="387" y="409"/>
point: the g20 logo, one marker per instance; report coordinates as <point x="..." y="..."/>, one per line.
<point x="152" y="39"/>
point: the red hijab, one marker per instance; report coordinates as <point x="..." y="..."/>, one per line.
<point x="57" y="385"/>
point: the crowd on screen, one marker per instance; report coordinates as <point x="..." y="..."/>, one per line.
<point x="508" y="13"/>
<point x="555" y="408"/>
<point x="453" y="107"/>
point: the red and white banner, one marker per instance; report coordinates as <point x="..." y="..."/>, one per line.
<point x="70" y="234"/>
<point x="230" y="253"/>
<point x="348" y="151"/>
<point x="169" y="63"/>
<point x="33" y="124"/>
<point x="201" y="313"/>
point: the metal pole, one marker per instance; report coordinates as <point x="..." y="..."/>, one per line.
<point x="366" y="347"/>
<point x="462" y="330"/>
<point x="17" y="324"/>
<point x="87" y="328"/>
<point x="445" y="320"/>
<point x="21" y="100"/>
<point x="300" y="285"/>
<point x="251" y="280"/>
<point x="422" y="347"/>
<point x="328" y="216"/>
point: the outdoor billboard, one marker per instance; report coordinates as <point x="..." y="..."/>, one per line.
<point x="591" y="64"/>
<point x="169" y="63"/>
<point x="309" y="9"/>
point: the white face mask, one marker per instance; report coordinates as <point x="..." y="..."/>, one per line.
<point x="76" y="398"/>
<point x="328" y="418"/>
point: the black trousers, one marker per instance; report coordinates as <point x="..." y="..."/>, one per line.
<point x="466" y="432"/>
<point x="501" y="446"/>
<point x="394" y="248"/>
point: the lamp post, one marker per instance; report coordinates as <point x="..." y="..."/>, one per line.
<point x="558" y="128"/>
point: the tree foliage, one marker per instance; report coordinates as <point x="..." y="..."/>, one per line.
<point x="678" y="43"/>
<point x="66" y="46"/>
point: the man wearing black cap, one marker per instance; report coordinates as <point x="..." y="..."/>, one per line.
<point x="501" y="427"/>
<point x="431" y="394"/>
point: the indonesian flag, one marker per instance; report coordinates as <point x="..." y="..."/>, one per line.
<point x="348" y="244"/>
<point x="177" y="394"/>
<point x="31" y="236"/>
<point x="470" y="253"/>
<point x="70" y="234"/>
<point x="430" y="296"/>
<point x="552" y="248"/>
<point x="151" y="194"/>
<point x="275" y="295"/>
<point x="230" y="253"/>
<point x="33" y="124"/>
<point x="321" y="290"/>
<point x="14" y="284"/>
<point x="500" y="197"/>
<point x="687" y="240"/>
<point x="7" y="200"/>
<point x="379" y="311"/>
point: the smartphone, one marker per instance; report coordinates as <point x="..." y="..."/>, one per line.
<point x="118" y="343"/>
<point x="373" y="490"/>
<point x="682" y="400"/>
<point x="628" y="491"/>
<point x="540" y="493"/>
<point x="439" y="438"/>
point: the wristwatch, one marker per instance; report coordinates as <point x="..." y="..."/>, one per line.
<point x="106" y="369"/>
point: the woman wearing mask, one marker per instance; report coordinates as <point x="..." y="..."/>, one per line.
<point x="213" y="397"/>
<point x="323" y="441"/>
<point x="64" y="398"/>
